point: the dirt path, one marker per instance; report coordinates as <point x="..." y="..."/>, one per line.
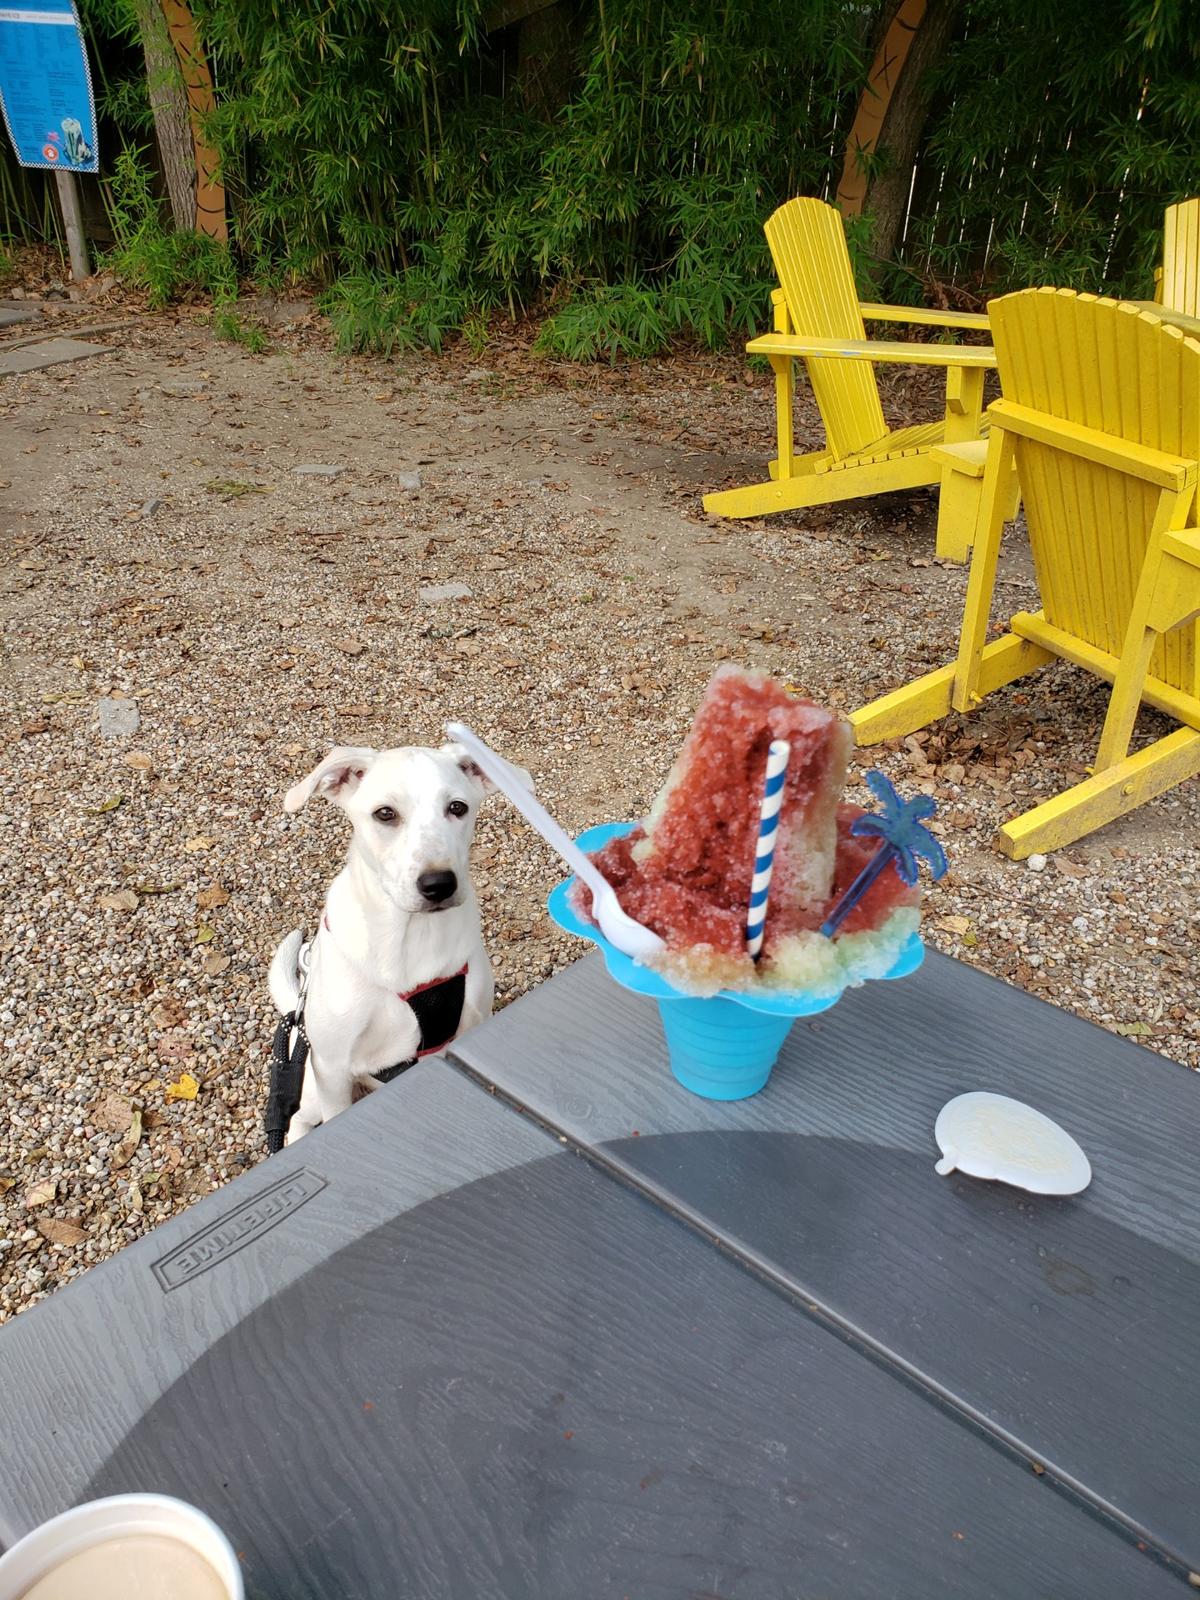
<point x="257" y="615"/>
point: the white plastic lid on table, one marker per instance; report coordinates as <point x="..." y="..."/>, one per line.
<point x="992" y="1136"/>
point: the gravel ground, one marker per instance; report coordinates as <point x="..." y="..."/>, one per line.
<point x="256" y="615"/>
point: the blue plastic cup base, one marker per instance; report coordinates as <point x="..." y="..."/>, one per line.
<point x="719" y="1049"/>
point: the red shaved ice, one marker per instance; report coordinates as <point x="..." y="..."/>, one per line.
<point x="686" y="873"/>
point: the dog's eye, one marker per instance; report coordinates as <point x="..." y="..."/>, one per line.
<point x="458" y="808"/>
<point x="384" y="814"/>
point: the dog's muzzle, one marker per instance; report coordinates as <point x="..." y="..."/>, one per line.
<point x="437" y="887"/>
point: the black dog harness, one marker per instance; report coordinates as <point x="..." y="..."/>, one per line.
<point x="437" y="1006"/>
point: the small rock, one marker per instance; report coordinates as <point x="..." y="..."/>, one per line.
<point x="431" y="593"/>
<point x="315" y="469"/>
<point x="535" y="483"/>
<point x="477" y="375"/>
<point x="182" y="388"/>
<point x="409" y="480"/>
<point x="1036" y="863"/>
<point x="149" y="507"/>
<point x="119" y="719"/>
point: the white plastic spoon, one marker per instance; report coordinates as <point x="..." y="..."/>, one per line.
<point x="630" y="937"/>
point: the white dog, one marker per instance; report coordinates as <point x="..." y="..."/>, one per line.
<point x="398" y="967"/>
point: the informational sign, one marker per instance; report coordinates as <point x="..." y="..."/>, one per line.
<point x="45" y="86"/>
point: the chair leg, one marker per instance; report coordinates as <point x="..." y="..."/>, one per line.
<point x="785" y="442"/>
<point x="981" y="584"/>
<point x="1104" y="797"/>
<point x="1167" y="595"/>
<point x="958" y="512"/>
<point x="964" y="403"/>
<point x="926" y="699"/>
<point x="1126" y="699"/>
<point x="959" y="500"/>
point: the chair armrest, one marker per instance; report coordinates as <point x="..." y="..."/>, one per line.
<point x="1109" y="450"/>
<point x="924" y="314"/>
<point x="1184" y="545"/>
<point x="916" y="355"/>
<point x="778" y="298"/>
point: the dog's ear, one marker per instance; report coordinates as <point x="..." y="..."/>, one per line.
<point x="336" y="777"/>
<point x="473" y="771"/>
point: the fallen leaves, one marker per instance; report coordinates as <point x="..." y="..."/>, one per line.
<point x="214" y="965"/>
<point x="1133" y="1030"/>
<point x="170" y="1012"/>
<point x="113" y="1114"/>
<point x="139" y="760"/>
<point x="349" y="647"/>
<point x="105" y="806"/>
<point x="199" y="841"/>
<point x="186" y="1087"/>
<point x="41" y="1193"/>
<point x="1072" y="869"/>
<point x="211" y="896"/>
<point x="124" y="1152"/>
<point x="59" y="1230"/>
<point x="120" y="900"/>
<point x="173" y="1048"/>
<point x="35" y="725"/>
<point x="205" y="933"/>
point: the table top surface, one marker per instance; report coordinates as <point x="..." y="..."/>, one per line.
<point x="538" y="1322"/>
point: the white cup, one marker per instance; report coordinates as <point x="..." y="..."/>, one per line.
<point x="120" y="1516"/>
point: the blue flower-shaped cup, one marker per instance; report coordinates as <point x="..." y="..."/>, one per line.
<point x="721" y="1046"/>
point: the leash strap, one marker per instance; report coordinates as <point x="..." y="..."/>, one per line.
<point x="287" y="1079"/>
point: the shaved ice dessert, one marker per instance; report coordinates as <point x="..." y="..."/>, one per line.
<point x="686" y="872"/>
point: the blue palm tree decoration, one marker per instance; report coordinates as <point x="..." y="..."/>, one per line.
<point x="905" y="839"/>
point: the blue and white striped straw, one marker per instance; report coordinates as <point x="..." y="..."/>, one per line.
<point x="764" y="856"/>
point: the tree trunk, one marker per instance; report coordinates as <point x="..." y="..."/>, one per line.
<point x="172" y="124"/>
<point x="891" y="118"/>
<point x="197" y="80"/>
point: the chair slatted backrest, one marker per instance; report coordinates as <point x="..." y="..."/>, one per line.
<point x="1179" y="287"/>
<point x="808" y="246"/>
<point x="1107" y="366"/>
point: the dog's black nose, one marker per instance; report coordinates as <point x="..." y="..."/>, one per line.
<point x="436" y="886"/>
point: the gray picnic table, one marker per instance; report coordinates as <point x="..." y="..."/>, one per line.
<point x="536" y="1322"/>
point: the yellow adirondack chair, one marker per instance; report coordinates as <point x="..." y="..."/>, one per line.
<point x="1100" y="415"/>
<point x="818" y="319"/>
<point x="1177" y="281"/>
